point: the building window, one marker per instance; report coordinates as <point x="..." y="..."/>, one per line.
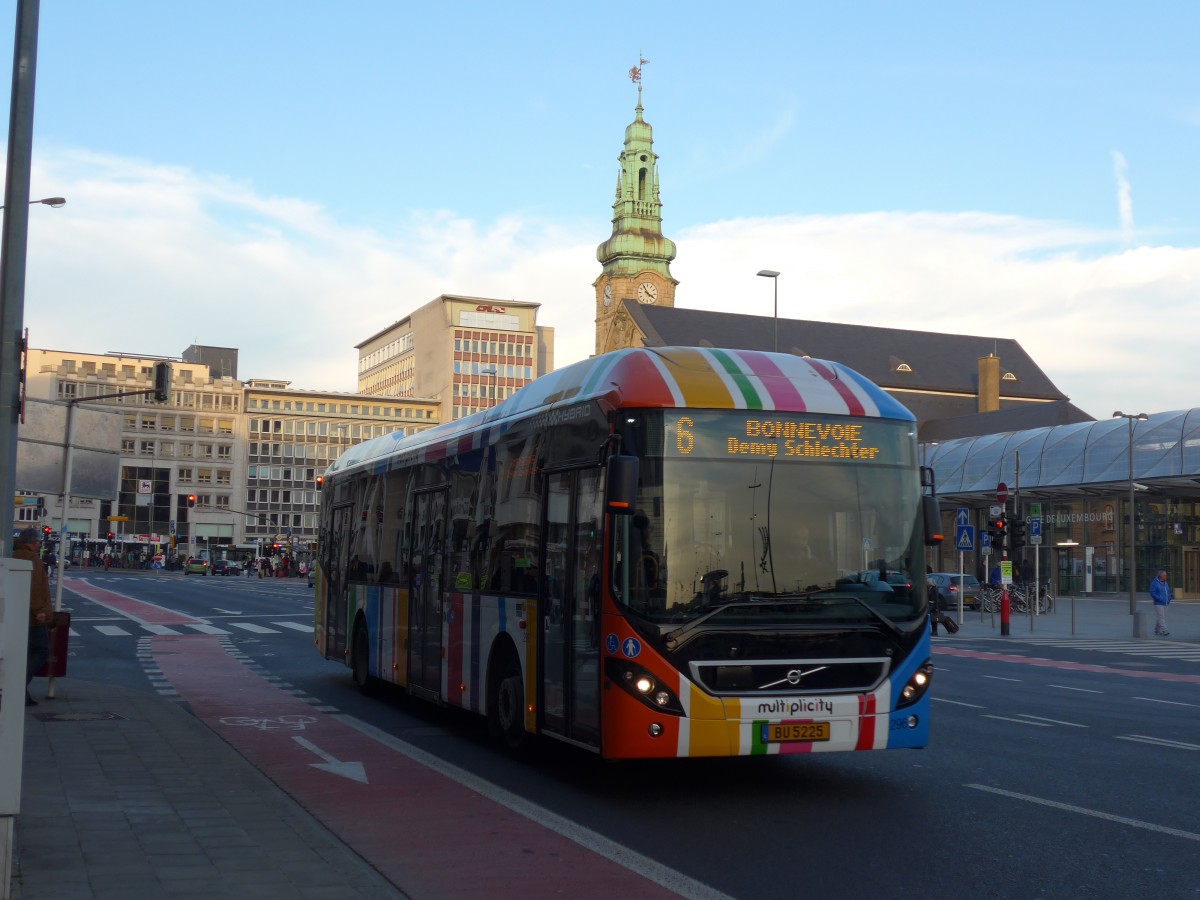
<point x="184" y="475"/>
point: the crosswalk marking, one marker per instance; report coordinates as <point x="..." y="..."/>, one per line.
<point x="208" y="629"/>
<point x="253" y="628"/>
<point x="1157" y="649"/>
<point x="79" y="630"/>
<point x="161" y="629"/>
<point x="296" y="626"/>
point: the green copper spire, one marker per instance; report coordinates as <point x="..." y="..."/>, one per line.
<point x="637" y="244"/>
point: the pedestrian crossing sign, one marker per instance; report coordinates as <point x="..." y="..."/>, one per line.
<point x="964" y="537"/>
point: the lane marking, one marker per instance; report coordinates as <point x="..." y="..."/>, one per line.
<point x="111" y="630"/>
<point x="1160" y="742"/>
<point x="1084" y="811"/>
<point x="1000" y="678"/>
<point x="959" y="703"/>
<point x="208" y="629"/>
<point x="1021" y="721"/>
<point x="1168" y="702"/>
<point x="1055" y="721"/>
<point x="652" y="870"/>
<point x="1067" y="687"/>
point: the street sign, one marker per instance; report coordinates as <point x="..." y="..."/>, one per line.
<point x="1035" y="531"/>
<point x="994" y="511"/>
<point x="962" y="516"/>
<point x="1002" y="492"/>
<point x="964" y="538"/>
<point x="985" y="543"/>
<point x="118" y="518"/>
<point x="1035" y="510"/>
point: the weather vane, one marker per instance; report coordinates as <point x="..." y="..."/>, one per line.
<point x="635" y="74"/>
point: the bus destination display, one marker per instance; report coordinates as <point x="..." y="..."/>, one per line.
<point x="783" y="437"/>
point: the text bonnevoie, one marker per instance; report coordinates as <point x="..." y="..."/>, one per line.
<point x="779" y="438"/>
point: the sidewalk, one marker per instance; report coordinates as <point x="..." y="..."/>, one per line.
<point x="126" y="795"/>
<point x="1097" y="616"/>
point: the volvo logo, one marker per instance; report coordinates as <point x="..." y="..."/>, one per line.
<point x="793" y="677"/>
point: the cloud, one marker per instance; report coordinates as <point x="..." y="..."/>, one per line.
<point x="1124" y="197"/>
<point x="149" y="259"/>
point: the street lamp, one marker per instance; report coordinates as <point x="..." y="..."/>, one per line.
<point x="774" y="276"/>
<point x="1131" y="418"/>
<point x="54" y="202"/>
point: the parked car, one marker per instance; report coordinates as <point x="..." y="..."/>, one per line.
<point x="195" y="566"/>
<point x="947" y="585"/>
<point x="226" y="567"/>
<point x="898" y="581"/>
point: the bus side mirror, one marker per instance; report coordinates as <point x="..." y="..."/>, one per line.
<point x="933" y="519"/>
<point x="621" y="485"/>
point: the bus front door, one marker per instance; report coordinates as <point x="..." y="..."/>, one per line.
<point x="427" y="556"/>
<point x="570" y="607"/>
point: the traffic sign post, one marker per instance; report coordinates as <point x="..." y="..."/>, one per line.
<point x="964" y="540"/>
<point x="1005" y="607"/>
<point x="1035" y="538"/>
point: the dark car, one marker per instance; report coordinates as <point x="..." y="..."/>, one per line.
<point x="225" y="567"/>
<point x="947" y="585"/>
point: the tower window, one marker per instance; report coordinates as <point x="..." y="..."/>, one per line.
<point x="641" y="194"/>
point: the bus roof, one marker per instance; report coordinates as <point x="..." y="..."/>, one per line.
<point x="663" y="377"/>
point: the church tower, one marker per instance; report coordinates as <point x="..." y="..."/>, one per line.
<point x="636" y="259"/>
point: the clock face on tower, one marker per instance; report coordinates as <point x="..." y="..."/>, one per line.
<point x="647" y="292"/>
<point x="608" y="295"/>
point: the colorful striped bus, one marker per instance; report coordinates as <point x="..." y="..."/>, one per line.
<point x="657" y="552"/>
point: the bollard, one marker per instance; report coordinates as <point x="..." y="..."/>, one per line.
<point x="1005" y="609"/>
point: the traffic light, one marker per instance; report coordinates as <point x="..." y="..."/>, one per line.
<point x="110" y="537"/>
<point x="191" y="501"/>
<point x="1000" y="524"/>
<point x="1017" y="532"/>
<point x="320" y="480"/>
<point x="162" y="381"/>
<point x="46" y="531"/>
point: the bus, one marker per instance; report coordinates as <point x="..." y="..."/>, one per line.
<point x="656" y="552"/>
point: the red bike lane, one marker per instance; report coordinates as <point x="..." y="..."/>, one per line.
<point x="425" y="832"/>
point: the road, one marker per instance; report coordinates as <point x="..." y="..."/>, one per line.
<point x="1055" y="771"/>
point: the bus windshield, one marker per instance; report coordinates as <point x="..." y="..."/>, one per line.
<point x="792" y="516"/>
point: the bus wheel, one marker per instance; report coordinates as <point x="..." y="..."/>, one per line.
<point x="506" y="711"/>
<point x="360" y="656"/>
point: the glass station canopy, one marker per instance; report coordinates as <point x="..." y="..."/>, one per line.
<point x="1082" y="459"/>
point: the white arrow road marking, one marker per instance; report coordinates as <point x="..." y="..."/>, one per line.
<point x="228" y="612"/>
<point x="353" y="770"/>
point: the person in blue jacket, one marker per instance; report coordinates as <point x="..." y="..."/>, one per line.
<point x="1160" y="593"/>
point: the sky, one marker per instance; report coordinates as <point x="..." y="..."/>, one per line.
<point x="289" y="177"/>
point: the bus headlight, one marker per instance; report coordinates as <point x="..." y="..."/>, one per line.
<point x="642" y="684"/>
<point x="916" y="686"/>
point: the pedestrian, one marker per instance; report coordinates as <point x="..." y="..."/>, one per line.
<point x="1160" y="593"/>
<point x="41" y="610"/>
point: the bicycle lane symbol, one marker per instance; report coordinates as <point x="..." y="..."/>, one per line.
<point x="285" y="723"/>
